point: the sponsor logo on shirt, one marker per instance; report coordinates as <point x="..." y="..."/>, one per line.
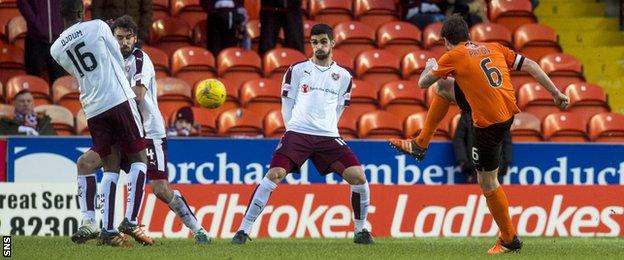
<point x="305" y="88"/>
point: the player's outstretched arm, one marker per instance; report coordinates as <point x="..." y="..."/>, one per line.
<point x="427" y="78"/>
<point x="538" y="74"/>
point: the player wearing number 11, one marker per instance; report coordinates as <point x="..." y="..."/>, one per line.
<point x="482" y="87"/>
<point x="90" y="53"/>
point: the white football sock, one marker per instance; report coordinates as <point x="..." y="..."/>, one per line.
<point x="180" y="207"/>
<point x="108" y="189"/>
<point x="136" y="188"/>
<point x="360" y="199"/>
<point x="87" y="189"/>
<point x="259" y="199"/>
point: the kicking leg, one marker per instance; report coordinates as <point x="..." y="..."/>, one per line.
<point x="417" y="147"/>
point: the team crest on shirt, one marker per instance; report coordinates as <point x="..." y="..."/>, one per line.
<point x="335" y="76"/>
<point x="305" y="88"/>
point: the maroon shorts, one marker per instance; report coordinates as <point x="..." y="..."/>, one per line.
<point x="156" y="160"/>
<point x="328" y="154"/>
<point x="119" y="125"/>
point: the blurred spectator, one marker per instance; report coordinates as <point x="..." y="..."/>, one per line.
<point x="140" y="10"/>
<point x="184" y="124"/>
<point x="463" y="142"/>
<point x="276" y="14"/>
<point x="423" y="12"/>
<point x="473" y="11"/>
<point x="25" y="121"/>
<point x="44" y="23"/>
<point x="225" y="25"/>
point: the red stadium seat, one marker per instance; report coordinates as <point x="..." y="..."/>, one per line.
<point x="193" y="64"/>
<point x="81" y="124"/>
<point x="6" y="110"/>
<point x="399" y="37"/>
<point x="354" y="37"/>
<point x="200" y="37"/>
<point x="66" y="93"/>
<point x="11" y="62"/>
<point x="526" y="128"/>
<point x="16" y="29"/>
<point x="587" y="99"/>
<point x="377" y="67"/>
<point x="344" y="59"/>
<point x="277" y="61"/>
<point x="170" y="34"/>
<point x="563" y="69"/>
<point x="159" y="59"/>
<point x="189" y="10"/>
<point x="519" y="78"/>
<point x="536" y="41"/>
<point x="231" y="100"/>
<point x="253" y="9"/>
<point x="7" y="12"/>
<point x="413" y="64"/>
<point x="511" y="13"/>
<point x="207" y="119"/>
<point x="62" y="118"/>
<point x="274" y="124"/>
<point x="491" y="32"/>
<point x="347" y="126"/>
<point x="307" y="29"/>
<point x="240" y="122"/>
<point x="379" y="125"/>
<point x="331" y="12"/>
<point x="160" y="9"/>
<point x="564" y="127"/>
<point x="402" y="98"/>
<point x="535" y="99"/>
<point x="607" y="127"/>
<point x="375" y="12"/>
<point x="363" y="97"/>
<point x="432" y="40"/>
<point x="36" y="85"/>
<point x="415" y="122"/>
<point x="261" y="95"/>
<point x="239" y="65"/>
<point x="173" y="93"/>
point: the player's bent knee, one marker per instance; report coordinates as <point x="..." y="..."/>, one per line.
<point x="276" y="174"/>
<point x="354" y="175"/>
<point x="88" y="163"/>
<point x="161" y="190"/>
<point x="445" y="89"/>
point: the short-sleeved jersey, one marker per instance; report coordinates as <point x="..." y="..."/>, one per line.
<point x="317" y="91"/>
<point x="90" y="53"/>
<point x="140" y="71"/>
<point x="482" y="72"/>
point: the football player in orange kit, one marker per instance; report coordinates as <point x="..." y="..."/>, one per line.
<point x="482" y="87"/>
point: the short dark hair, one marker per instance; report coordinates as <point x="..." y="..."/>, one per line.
<point x="71" y="9"/>
<point x="455" y="29"/>
<point x="322" y="28"/>
<point x="22" y="92"/>
<point x="125" y="22"/>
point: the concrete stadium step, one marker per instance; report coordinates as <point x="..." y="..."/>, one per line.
<point x="615" y="90"/>
<point x="600" y="53"/>
<point x="569" y="9"/>
<point x="590" y="38"/>
<point x="581" y="23"/>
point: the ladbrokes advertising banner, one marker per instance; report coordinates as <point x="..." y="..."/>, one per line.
<point x="245" y="161"/>
<point x="397" y="211"/>
<point x="325" y="211"/>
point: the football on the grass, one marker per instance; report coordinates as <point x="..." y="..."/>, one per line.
<point x="210" y="93"/>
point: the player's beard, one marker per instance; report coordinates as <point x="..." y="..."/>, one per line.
<point x="126" y="52"/>
<point x="320" y="55"/>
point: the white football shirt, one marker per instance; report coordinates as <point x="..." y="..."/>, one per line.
<point x="140" y="71"/>
<point x="317" y="91"/>
<point x="90" y="53"/>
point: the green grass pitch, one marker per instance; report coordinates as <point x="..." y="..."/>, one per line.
<point x="384" y="249"/>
